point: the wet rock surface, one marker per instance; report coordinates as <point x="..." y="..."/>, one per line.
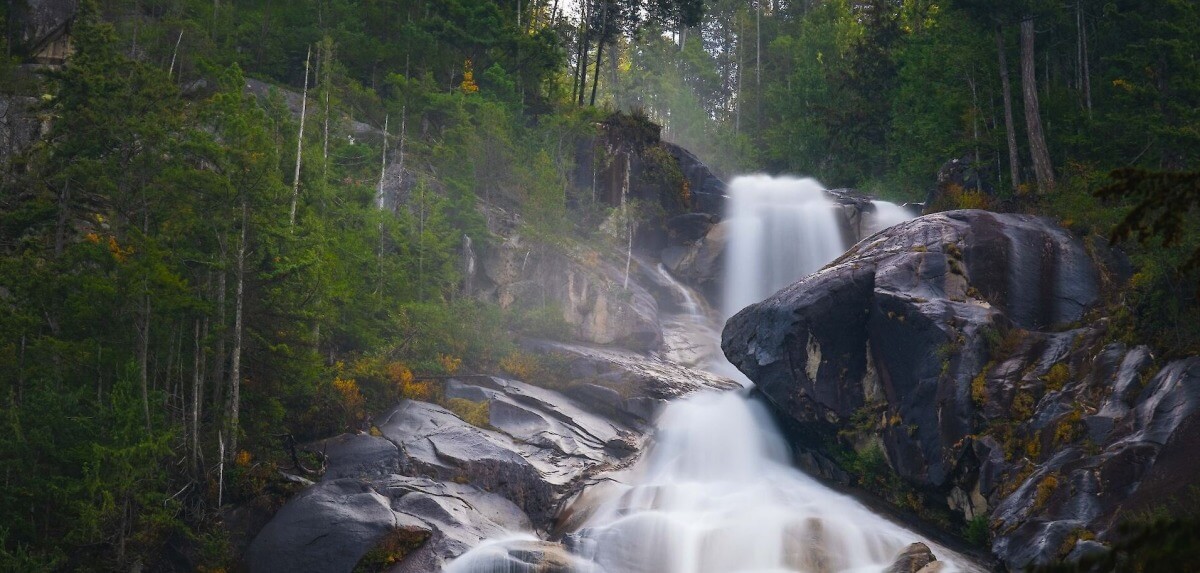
<point x="954" y="348"/>
<point x="425" y="486"/>
<point x="591" y="292"/>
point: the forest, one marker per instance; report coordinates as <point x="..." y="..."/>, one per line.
<point x="242" y="225"/>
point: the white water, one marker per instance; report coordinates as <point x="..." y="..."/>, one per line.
<point x="887" y="214"/>
<point x="781" y="229"/>
<point x="716" y="492"/>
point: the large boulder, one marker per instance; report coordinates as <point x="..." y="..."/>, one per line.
<point x="952" y="348"/>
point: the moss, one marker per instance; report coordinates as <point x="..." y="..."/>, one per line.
<point x="1045" y="489"/>
<point x="1022" y="406"/>
<point x="1033" y="448"/>
<point x="1057" y="377"/>
<point x="474" y="413"/>
<point x="1069" y="428"/>
<point x="979" y="393"/>
<point x="393" y="548"/>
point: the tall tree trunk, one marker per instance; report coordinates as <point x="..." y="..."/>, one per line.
<point x="197" y="382"/>
<point x="326" y="85"/>
<point x="218" y="370"/>
<point x="235" y="360"/>
<point x="581" y="56"/>
<point x="143" y="353"/>
<point x="1010" y="128"/>
<point x="1033" y="119"/>
<point x="300" y="142"/>
<point x="1087" y="71"/>
<point x="600" y="50"/>
<point x="64" y="216"/>
<point x="758" y="95"/>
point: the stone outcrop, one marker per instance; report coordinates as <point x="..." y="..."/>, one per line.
<point x="20" y="126"/>
<point x="425" y="486"/>
<point x="591" y="291"/>
<point x="41" y="29"/>
<point x="956" y="349"/>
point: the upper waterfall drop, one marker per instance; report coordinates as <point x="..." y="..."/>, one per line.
<point x="781" y="230"/>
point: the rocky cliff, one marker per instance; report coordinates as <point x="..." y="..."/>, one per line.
<point x="955" y="365"/>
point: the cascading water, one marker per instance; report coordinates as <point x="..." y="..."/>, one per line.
<point x="716" y="492"/>
<point x="781" y="229"/>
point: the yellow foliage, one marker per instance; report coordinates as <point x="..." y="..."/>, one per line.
<point x="475" y="413"/>
<point x="1045" y="489"/>
<point x="520" y="365"/>
<point x="351" y="397"/>
<point x="407" y="386"/>
<point x="242" y="459"/>
<point x="118" y="252"/>
<point x="1057" y="377"/>
<point x="449" y="363"/>
<point x="92" y="238"/>
<point x="468" y="83"/>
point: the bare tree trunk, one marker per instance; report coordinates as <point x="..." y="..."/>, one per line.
<point x="758" y="96"/>
<point x="197" y="381"/>
<point x="581" y="56"/>
<point x="235" y="368"/>
<point x="327" y="85"/>
<point x="379" y="199"/>
<point x="1033" y="120"/>
<point x="171" y="69"/>
<point x="218" y="371"/>
<point x="1087" y="71"/>
<point x="143" y="352"/>
<point x="1010" y="129"/>
<point x="300" y="142"/>
<point x="600" y="50"/>
<point x="64" y="215"/>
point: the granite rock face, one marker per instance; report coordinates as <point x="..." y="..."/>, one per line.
<point x="426" y="486"/>
<point x="955" y="347"/>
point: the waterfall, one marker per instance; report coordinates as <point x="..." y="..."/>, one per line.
<point x="716" y="492"/>
<point x="781" y="229"/>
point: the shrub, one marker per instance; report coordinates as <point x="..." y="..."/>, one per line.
<point x="1057" y="377"/>
<point x="1045" y="489"/>
<point x="977" y="532"/>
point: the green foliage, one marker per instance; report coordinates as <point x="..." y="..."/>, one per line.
<point x="977" y="532"/>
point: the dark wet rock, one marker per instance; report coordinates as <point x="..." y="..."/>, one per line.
<point x="913" y="559"/>
<point x="953" y="346"/>
<point x="359" y="455"/>
<point x="689" y="227"/>
<point x="707" y="190"/>
<point x="326" y="529"/>
<point x="700" y="263"/>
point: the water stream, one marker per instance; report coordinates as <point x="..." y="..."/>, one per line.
<point x="716" y="491"/>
